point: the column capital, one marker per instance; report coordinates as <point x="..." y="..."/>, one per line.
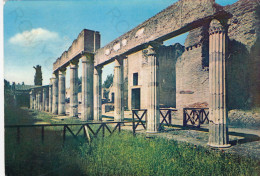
<point x="98" y="70"/>
<point x="217" y="26"/>
<point x="62" y="71"/>
<point x="74" y="63"/>
<point x="119" y="61"/>
<point x="51" y="81"/>
<point x="87" y="58"/>
<point x="149" y="51"/>
<point x="55" y="75"/>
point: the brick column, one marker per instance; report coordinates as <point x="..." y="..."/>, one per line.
<point x="97" y="94"/>
<point x="119" y="90"/>
<point x="61" y="92"/>
<point x="55" y="94"/>
<point x="87" y="86"/>
<point x="218" y="130"/>
<point x="74" y="88"/>
<point x="153" y="116"/>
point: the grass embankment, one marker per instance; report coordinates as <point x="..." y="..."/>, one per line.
<point x="119" y="154"/>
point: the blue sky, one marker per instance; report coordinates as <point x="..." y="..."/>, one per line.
<point x="38" y="32"/>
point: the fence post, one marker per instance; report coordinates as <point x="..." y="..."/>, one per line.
<point x="133" y="117"/>
<point x="18" y="135"/>
<point x="42" y="134"/>
<point x="119" y="127"/>
<point x="170" y="116"/>
<point x="184" y="117"/>
<point x="103" y="130"/>
<point x="64" y="134"/>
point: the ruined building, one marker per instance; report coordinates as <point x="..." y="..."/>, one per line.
<point x="217" y="68"/>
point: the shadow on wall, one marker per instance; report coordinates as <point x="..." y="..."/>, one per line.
<point x="242" y="76"/>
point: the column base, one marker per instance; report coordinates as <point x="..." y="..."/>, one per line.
<point x="218" y="136"/>
<point x="151" y="134"/>
<point x="219" y="146"/>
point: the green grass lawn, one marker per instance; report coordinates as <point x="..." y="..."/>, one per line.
<point x="119" y="154"/>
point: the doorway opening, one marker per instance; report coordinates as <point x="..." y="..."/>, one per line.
<point x="136" y="103"/>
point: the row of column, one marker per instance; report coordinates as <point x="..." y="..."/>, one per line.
<point x="39" y="99"/>
<point x="91" y="94"/>
<point x="89" y="75"/>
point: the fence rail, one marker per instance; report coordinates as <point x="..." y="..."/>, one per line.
<point x="103" y="126"/>
<point x="196" y="116"/>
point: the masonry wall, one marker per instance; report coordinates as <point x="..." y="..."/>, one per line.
<point x="137" y="63"/>
<point x="192" y="75"/>
<point x="243" y="60"/>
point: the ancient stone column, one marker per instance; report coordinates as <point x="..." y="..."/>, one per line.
<point x="47" y="99"/>
<point x="50" y="96"/>
<point x="44" y="99"/>
<point x="74" y="88"/>
<point x="31" y="100"/>
<point x="62" y="91"/>
<point x="153" y="116"/>
<point x="55" y="94"/>
<point x="40" y="100"/>
<point x="87" y="86"/>
<point x="97" y="94"/>
<point x="36" y="100"/>
<point x="218" y="130"/>
<point x="119" y="90"/>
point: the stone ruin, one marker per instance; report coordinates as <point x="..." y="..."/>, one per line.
<point x="218" y="67"/>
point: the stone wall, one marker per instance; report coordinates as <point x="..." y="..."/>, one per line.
<point x="243" y="60"/>
<point x="192" y="76"/>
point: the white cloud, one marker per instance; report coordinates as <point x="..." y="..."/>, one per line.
<point x="33" y="37"/>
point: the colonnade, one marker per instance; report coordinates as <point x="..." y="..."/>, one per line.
<point x="51" y="98"/>
<point x="92" y="88"/>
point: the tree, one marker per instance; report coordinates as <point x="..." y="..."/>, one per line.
<point x="8" y="94"/>
<point x="38" y="75"/>
<point x="80" y="84"/>
<point x="109" y="81"/>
